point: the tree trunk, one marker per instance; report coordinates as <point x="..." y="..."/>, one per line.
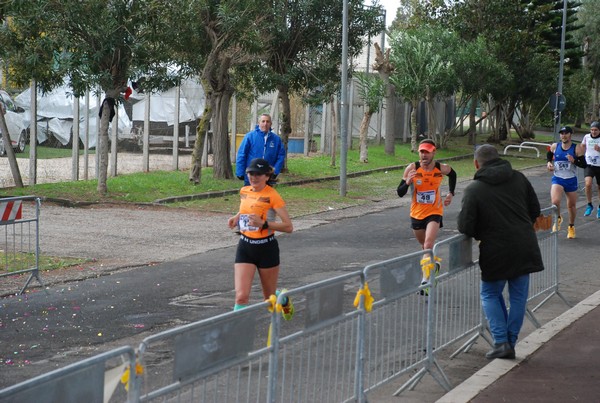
<point x="215" y="81"/>
<point x="286" y="118"/>
<point x="432" y="122"/>
<point x="201" y="130"/>
<point x="221" y="160"/>
<point x="390" y="119"/>
<point x="10" y="153"/>
<point x="383" y="66"/>
<point x="495" y="133"/>
<point x="507" y="122"/>
<point x="413" y="126"/>
<point x="595" y="100"/>
<point x="364" y="128"/>
<point x="196" y="166"/>
<point x="472" y="125"/>
<point x="102" y="143"/>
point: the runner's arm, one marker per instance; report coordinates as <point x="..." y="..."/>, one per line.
<point x="452" y="181"/>
<point x="406" y="180"/>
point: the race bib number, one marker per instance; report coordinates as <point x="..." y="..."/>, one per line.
<point x="244" y="223"/>
<point x="562" y="166"/>
<point x="427" y="197"/>
<point x="593" y="160"/>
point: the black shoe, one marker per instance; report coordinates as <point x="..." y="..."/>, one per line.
<point x="502" y="350"/>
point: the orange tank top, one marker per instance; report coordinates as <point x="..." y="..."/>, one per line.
<point x="257" y="203"/>
<point x="426" y="199"/>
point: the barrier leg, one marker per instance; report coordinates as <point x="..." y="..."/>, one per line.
<point x="440" y="377"/>
<point x="556" y="292"/>
<point x="33" y="274"/>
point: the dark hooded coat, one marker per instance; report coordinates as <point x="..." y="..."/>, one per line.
<point x="498" y="209"/>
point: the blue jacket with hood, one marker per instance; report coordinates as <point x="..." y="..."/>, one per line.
<point x="254" y="145"/>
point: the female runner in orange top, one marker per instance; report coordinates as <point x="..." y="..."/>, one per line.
<point x="258" y="249"/>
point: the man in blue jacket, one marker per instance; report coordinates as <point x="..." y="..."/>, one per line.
<point x="499" y="209"/>
<point x="260" y="143"/>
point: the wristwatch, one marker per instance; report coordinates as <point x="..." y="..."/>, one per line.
<point x="265" y="225"/>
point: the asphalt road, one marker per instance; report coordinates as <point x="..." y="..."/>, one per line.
<point x="40" y="332"/>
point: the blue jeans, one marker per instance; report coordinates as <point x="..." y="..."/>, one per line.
<point x="505" y="324"/>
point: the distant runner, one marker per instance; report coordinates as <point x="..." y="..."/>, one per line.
<point x="591" y="145"/>
<point x="562" y="160"/>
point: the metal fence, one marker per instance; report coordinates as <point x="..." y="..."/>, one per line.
<point x="318" y="356"/>
<point x="349" y="335"/>
<point x="229" y="357"/>
<point x="93" y="380"/>
<point x="396" y="336"/>
<point x="20" y="243"/>
<point x="224" y="358"/>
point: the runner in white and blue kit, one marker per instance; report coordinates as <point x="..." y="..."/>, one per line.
<point x="591" y="145"/>
<point x="563" y="159"/>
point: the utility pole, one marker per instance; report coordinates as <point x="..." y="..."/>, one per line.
<point x="557" y="112"/>
<point x="344" y="102"/>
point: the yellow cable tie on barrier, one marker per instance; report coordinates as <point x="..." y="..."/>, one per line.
<point x="139" y="370"/>
<point x="273" y="301"/>
<point x="427" y="267"/>
<point x="364" y="291"/>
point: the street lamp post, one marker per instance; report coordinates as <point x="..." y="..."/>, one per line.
<point x="557" y="112"/>
<point x="344" y="102"/>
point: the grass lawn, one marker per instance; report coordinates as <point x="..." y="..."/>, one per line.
<point x="302" y="199"/>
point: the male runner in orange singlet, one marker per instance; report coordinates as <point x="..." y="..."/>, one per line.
<point x="427" y="207"/>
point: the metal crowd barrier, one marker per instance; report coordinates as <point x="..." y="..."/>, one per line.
<point x="458" y="312"/>
<point x="20" y="245"/>
<point x="228" y="357"/>
<point x="547" y="281"/>
<point x="93" y="380"/>
<point x="220" y="359"/>
<point x="396" y="335"/>
<point x="407" y="329"/>
<point x="317" y="353"/>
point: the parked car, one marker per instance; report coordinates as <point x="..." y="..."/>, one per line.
<point x="17" y="124"/>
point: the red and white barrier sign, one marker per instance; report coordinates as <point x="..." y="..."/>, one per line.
<point x="10" y="211"/>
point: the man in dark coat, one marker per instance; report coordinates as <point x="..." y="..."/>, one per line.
<point x="499" y="209"/>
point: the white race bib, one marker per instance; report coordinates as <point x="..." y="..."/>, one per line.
<point x="562" y="166"/>
<point x="426" y="197"/>
<point x="244" y="223"/>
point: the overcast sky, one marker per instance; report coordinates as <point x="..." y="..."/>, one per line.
<point x="390" y="10"/>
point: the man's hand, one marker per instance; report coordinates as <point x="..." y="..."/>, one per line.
<point x="410" y="175"/>
<point x="448" y="199"/>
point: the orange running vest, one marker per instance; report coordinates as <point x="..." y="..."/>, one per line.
<point x="426" y="199"/>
